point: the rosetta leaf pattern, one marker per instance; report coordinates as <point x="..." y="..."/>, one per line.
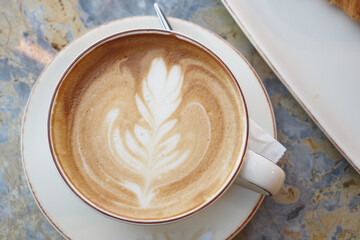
<point x="145" y="150"/>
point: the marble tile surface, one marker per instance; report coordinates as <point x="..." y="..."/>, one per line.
<point x="320" y="198"/>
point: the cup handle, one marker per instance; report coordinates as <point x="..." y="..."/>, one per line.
<point x="260" y="174"/>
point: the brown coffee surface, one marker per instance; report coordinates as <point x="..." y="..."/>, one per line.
<point x="148" y="126"/>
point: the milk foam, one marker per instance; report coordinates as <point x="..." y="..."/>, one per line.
<point x="147" y="132"/>
<point x="145" y="150"/>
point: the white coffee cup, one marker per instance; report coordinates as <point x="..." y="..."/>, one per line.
<point x="251" y="169"/>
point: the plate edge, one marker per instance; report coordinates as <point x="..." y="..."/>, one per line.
<point x="282" y="79"/>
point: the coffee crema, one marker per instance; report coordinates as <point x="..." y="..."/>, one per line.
<point x="148" y="126"/>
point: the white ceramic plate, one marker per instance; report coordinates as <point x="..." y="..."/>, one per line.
<point x="314" y="48"/>
<point x="74" y="219"/>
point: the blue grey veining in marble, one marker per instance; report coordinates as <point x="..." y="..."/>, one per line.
<point x="320" y="198"/>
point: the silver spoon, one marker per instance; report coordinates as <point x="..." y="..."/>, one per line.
<point x="164" y="22"/>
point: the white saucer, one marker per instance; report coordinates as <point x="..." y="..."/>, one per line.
<point x="72" y="218"/>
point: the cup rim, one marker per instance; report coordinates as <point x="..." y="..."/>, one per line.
<point x="230" y="179"/>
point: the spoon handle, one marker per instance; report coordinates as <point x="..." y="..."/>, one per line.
<point x="164" y="23"/>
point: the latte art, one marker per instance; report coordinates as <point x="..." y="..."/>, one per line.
<point x="147" y="127"/>
<point x="151" y="150"/>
